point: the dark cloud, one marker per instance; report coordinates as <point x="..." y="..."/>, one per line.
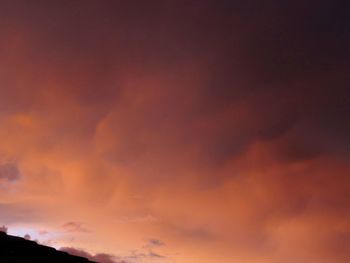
<point x="282" y="68"/>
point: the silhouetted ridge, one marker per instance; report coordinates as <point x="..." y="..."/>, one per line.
<point x="18" y="250"/>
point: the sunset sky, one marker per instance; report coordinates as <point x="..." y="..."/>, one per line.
<point x="177" y="131"/>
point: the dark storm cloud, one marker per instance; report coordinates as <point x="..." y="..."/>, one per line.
<point x="268" y="70"/>
<point x="258" y="52"/>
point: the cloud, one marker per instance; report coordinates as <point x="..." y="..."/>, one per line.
<point x="101" y="257"/>
<point x="155" y="255"/>
<point x="156" y="242"/>
<point x="75" y="227"/>
<point x="138" y="219"/>
<point x="147" y="250"/>
<point x="228" y="118"/>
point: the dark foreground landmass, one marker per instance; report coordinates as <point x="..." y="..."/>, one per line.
<point x="19" y="250"/>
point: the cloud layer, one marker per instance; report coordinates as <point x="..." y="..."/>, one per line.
<point x="218" y="128"/>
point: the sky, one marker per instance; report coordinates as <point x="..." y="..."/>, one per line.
<point x="177" y="131"/>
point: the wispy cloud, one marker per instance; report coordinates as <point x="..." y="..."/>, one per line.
<point x="101" y="257"/>
<point x="138" y="219"/>
<point x="74" y="227"/>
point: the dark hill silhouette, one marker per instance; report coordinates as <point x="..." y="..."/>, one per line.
<point x="19" y="250"/>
